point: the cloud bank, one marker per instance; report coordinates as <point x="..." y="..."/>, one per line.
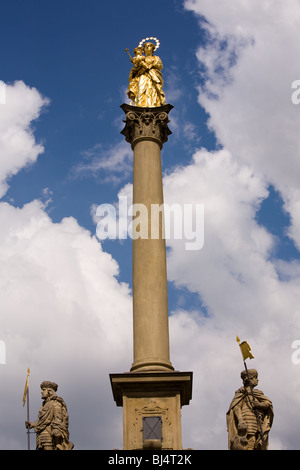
<point x="246" y="69"/>
<point x="63" y="312"/>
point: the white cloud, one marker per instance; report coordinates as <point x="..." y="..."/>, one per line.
<point x="231" y="273"/>
<point x="17" y="143"/>
<point x="64" y="313"/>
<point x="292" y="205"/>
<point x="253" y="116"/>
<point x="242" y="294"/>
<point x="112" y="165"/>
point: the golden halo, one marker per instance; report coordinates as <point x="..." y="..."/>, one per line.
<point x="150" y="39"/>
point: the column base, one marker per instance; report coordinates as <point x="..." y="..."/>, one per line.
<point x="148" y="366"/>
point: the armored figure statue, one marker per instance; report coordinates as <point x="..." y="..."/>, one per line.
<point x="250" y="416"/>
<point x="52" y="425"/>
<point x="145" y="79"/>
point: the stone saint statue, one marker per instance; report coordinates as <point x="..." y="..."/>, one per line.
<point x="145" y="80"/>
<point x="52" y="425"/>
<point x="249" y="421"/>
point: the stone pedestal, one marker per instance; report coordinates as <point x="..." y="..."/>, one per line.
<point x="152" y="391"/>
<point x="155" y="394"/>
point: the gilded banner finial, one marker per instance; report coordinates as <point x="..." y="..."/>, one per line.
<point x="145" y="79"/>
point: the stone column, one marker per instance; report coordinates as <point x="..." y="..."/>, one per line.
<point x="152" y="390"/>
<point x="146" y="130"/>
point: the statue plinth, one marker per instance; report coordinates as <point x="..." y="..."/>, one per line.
<point x="150" y="395"/>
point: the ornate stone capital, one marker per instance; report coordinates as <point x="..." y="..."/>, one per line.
<point x="146" y="124"/>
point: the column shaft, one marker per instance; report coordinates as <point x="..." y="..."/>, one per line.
<point x="150" y="294"/>
<point x="146" y="130"/>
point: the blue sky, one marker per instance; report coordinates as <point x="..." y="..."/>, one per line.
<point x="234" y="148"/>
<point x="74" y="55"/>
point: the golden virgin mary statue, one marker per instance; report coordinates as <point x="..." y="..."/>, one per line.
<point x="145" y="80"/>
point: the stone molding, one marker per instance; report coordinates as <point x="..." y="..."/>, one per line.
<point x="154" y="383"/>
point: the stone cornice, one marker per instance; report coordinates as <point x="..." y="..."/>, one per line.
<point x="153" y="384"/>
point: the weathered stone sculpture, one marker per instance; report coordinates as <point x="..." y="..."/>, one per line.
<point x="52" y="425"/>
<point x="250" y="416"/>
